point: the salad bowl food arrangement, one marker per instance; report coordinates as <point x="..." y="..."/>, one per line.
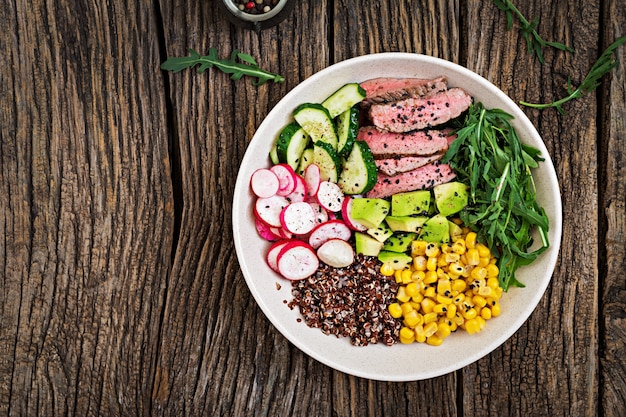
<point x="372" y="235"/>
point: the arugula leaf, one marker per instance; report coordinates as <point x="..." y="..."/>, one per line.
<point x="246" y="67"/>
<point x="488" y="156"/>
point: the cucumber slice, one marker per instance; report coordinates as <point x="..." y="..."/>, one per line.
<point x="326" y="158"/>
<point x="359" y="172"/>
<point x="347" y="130"/>
<point x="292" y="141"/>
<point x="305" y="160"/>
<point x="317" y="122"/>
<point x="344" y="98"/>
<point x="274" y="155"/>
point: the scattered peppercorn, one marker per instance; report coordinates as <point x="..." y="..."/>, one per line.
<point x="256" y="6"/>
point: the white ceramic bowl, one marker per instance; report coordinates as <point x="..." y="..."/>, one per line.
<point x="398" y="362"/>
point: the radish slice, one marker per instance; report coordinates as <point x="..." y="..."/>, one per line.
<point x="332" y="229"/>
<point x="272" y="254"/>
<point x="297" y="260"/>
<point x="298" y="218"/>
<point x="346" y="210"/>
<point x="336" y="252"/>
<point x="286" y="178"/>
<point x="330" y="196"/>
<point x="266" y="232"/>
<point x="264" y="183"/>
<point x="268" y="209"/>
<point x="321" y="215"/>
<point x="312" y="179"/>
<point x="299" y="193"/>
<point x="281" y="232"/>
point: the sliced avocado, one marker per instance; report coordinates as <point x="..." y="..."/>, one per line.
<point x="370" y="212"/>
<point x="450" y="197"/>
<point x="380" y="233"/>
<point x="366" y="244"/>
<point x="405" y="223"/>
<point x="396" y="260"/>
<point x="436" y="230"/>
<point x="399" y="242"/>
<point x="410" y="203"/>
<point x="455" y="229"/>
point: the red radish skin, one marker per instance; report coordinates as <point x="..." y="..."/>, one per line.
<point x="299" y="193"/>
<point x="268" y="209"/>
<point x="272" y="254"/>
<point x="297" y="260"/>
<point x="312" y="179"/>
<point x="330" y="196"/>
<point x="286" y="178"/>
<point x="346" y="209"/>
<point x="266" y="232"/>
<point x="298" y="218"/>
<point x="332" y="229"/>
<point x="264" y="183"/>
<point x="336" y="253"/>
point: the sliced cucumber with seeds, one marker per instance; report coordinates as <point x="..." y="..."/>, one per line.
<point x="347" y="130"/>
<point x="292" y="141"/>
<point x="317" y="122"/>
<point x="344" y="98"/>
<point x="305" y="160"/>
<point x="359" y="172"/>
<point x="325" y="157"/>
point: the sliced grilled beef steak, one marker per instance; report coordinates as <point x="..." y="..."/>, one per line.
<point x="388" y="144"/>
<point x="420" y="113"/>
<point x="420" y="178"/>
<point x="387" y="90"/>
<point x="397" y="165"/>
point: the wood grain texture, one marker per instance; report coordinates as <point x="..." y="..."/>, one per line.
<point x="546" y="373"/>
<point x="613" y="222"/>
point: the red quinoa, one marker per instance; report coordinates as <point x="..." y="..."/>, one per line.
<point x="349" y="302"/>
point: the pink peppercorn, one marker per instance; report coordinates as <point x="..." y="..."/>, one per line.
<point x="250" y="5"/>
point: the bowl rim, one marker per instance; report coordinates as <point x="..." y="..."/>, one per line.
<point x="294" y="336"/>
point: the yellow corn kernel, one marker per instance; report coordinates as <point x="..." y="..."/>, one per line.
<point x="406" y="308"/>
<point x="485" y="313"/>
<point x="441" y="274"/>
<point x="492" y="271"/>
<point x="442" y="299"/>
<point x="495" y="309"/>
<point x="456" y="267"/>
<point x="458" y="319"/>
<point x="434" y="340"/>
<point x="498" y="292"/>
<point x="407" y="276"/>
<point x="386" y="269"/>
<point x="407" y="336"/>
<point x="412" y="289"/>
<point x="451" y="257"/>
<point x="432" y="250"/>
<point x="472" y="326"/>
<point x="430" y="328"/>
<point x="469" y="313"/>
<point x="412" y="319"/>
<point x="457" y="300"/>
<point x="450" y="311"/>
<point x="459" y="285"/>
<point x="441" y="261"/>
<point x="481" y="322"/>
<point x="428" y="305"/>
<point x="418" y="248"/>
<point x="420" y="335"/>
<point x="395" y="310"/>
<point x="453" y="326"/>
<point x="397" y="274"/>
<point x="443" y="329"/>
<point x="416" y="305"/>
<point x="430" y="292"/>
<point x="444" y="287"/>
<point x="440" y="308"/>
<point x="483" y="250"/>
<point x="459" y="247"/>
<point x="486" y="291"/>
<point x="445" y="248"/>
<point x="418" y="276"/>
<point x="484" y="261"/>
<point x="417" y="298"/>
<point x="479" y="300"/>
<point x="430" y="277"/>
<point x="492" y="282"/>
<point x="470" y="240"/>
<point x="493" y="260"/>
<point x="431" y="264"/>
<point x="402" y="296"/>
<point x="478" y="273"/>
<point x="419" y="263"/>
<point x="472" y="257"/>
<point x="430" y="317"/>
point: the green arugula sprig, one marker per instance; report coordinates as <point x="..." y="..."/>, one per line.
<point x="488" y="156"/>
<point x="602" y="66"/>
<point x="248" y="66"/>
<point x="534" y="42"/>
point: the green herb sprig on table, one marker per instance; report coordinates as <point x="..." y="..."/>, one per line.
<point x="489" y="157"/>
<point x="247" y="67"/>
<point x="602" y="66"/>
<point x="534" y="42"/>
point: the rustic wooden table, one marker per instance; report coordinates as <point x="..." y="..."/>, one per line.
<point x="120" y="291"/>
